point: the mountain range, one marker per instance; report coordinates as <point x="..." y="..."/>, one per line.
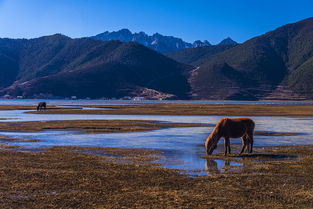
<point x="157" y="41"/>
<point x="275" y="65"/>
<point x="60" y="66"/>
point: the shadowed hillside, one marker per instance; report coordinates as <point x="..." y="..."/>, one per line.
<point x="60" y="66"/>
<point x="276" y="65"/>
<point x="199" y="55"/>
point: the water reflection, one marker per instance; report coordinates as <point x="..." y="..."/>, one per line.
<point x="219" y="166"/>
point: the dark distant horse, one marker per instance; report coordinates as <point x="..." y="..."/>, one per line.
<point x="231" y="128"/>
<point x="41" y="105"/>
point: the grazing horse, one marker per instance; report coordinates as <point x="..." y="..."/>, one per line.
<point x="231" y="128"/>
<point x="41" y="105"/>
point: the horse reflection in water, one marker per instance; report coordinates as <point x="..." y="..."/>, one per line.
<point x="222" y="166"/>
<point x="212" y="167"/>
<point x="231" y="128"/>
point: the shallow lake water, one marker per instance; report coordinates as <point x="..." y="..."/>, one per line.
<point x="181" y="148"/>
<point x="129" y="102"/>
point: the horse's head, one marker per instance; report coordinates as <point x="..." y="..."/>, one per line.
<point x="211" y="143"/>
<point x="212" y="140"/>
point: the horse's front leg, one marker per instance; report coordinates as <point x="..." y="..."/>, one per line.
<point x="226" y="146"/>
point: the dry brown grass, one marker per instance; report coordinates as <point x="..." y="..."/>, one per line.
<point x="5" y="146"/>
<point x="265" y="133"/>
<point x="105" y="126"/>
<point x="7" y="138"/>
<point x="61" y="178"/>
<point x="93" y="126"/>
<point x="195" y="109"/>
<point x="17" y="107"/>
<point x="33" y="107"/>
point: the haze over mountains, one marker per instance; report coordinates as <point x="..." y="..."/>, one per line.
<point x="276" y="65"/>
<point x="157" y="41"/>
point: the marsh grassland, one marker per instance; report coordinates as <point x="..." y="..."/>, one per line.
<point x="192" y="109"/>
<point x="93" y="126"/>
<point x="93" y="177"/>
<point x="63" y="177"/>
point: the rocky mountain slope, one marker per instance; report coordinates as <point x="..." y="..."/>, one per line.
<point x="228" y="41"/>
<point x="156" y="42"/>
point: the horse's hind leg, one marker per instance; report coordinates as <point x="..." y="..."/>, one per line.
<point x="247" y="140"/>
<point x="247" y="143"/>
<point x="244" y="144"/>
<point x="251" y="143"/>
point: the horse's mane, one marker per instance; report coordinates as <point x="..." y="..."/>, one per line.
<point x="216" y="133"/>
<point x="219" y="127"/>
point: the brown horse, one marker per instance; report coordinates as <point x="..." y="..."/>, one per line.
<point x="231" y="128"/>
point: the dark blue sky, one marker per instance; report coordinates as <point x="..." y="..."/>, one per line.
<point x="189" y="19"/>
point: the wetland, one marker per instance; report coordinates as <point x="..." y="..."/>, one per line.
<point x="92" y="155"/>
